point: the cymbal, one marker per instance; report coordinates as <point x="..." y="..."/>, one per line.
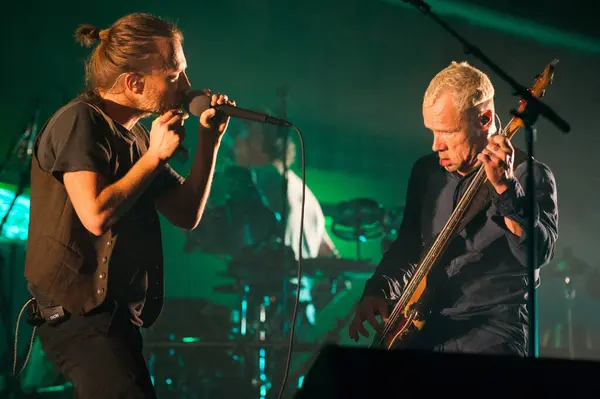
<point x="258" y="275"/>
<point x="274" y="286"/>
<point x="336" y="266"/>
<point x="273" y="272"/>
<point x="264" y="264"/>
<point x="360" y="217"/>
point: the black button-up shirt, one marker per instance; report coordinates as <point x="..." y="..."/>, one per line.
<point x="479" y="285"/>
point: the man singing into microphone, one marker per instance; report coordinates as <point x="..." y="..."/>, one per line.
<point x="98" y="180"/>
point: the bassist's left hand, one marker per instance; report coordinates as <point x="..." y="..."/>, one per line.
<point x="498" y="158"/>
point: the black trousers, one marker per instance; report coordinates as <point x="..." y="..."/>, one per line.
<point x="480" y="336"/>
<point x="100" y="353"/>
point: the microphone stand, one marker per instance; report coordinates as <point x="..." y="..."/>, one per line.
<point x="24" y="151"/>
<point x="534" y="109"/>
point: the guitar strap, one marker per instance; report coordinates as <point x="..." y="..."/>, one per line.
<point x="485" y="194"/>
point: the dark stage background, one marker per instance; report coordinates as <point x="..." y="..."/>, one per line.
<point x="355" y="72"/>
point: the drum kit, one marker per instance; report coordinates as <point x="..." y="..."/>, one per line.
<point x="243" y="350"/>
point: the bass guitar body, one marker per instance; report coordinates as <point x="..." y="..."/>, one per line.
<point x="401" y="332"/>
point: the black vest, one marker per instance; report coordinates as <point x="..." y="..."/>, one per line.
<point x="64" y="261"/>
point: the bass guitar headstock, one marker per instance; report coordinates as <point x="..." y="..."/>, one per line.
<point x="538" y="89"/>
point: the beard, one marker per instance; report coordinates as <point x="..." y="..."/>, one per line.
<point x="159" y="103"/>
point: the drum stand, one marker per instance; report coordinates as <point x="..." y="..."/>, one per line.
<point x="259" y="322"/>
<point x="252" y="330"/>
<point x="570" y="296"/>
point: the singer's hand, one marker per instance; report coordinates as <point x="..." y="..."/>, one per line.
<point x="219" y="123"/>
<point x="167" y="133"/>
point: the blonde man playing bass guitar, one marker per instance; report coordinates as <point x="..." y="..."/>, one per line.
<point x="479" y="284"/>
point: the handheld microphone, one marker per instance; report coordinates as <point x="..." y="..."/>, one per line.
<point x="197" y="101"/>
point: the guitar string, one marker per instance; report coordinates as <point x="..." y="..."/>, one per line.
<point x="435" y="249"/>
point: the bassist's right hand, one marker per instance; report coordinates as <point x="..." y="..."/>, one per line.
<point x="366" y="309"/>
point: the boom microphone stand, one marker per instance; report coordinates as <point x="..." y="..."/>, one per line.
<point x="534" y="109"/>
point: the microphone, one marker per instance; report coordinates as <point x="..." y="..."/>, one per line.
<point x="197" y="101"/>
<point x="25" y="146"/>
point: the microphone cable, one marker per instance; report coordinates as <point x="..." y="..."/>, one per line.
<point x="299" y="274"/>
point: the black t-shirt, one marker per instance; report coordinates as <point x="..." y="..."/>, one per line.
<point x="80" y="138"/>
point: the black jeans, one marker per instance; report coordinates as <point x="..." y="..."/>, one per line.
<point x="100" y="353"/>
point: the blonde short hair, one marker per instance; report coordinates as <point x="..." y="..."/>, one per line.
<point x="471" y="89"/>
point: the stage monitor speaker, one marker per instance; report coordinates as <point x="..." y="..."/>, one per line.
<point x="352" y="372"/>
